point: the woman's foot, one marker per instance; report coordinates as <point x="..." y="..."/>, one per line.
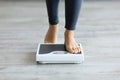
<point x="51" y="36"/>
<point x="70" y="43"/>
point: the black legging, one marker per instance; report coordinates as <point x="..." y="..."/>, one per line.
<point x="72" y="9"/>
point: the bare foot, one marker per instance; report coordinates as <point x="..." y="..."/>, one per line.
<point x="51" y="36"/>
<point x="71" y="45"/>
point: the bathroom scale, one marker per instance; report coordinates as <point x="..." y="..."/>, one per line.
<point x="57" y="53"/>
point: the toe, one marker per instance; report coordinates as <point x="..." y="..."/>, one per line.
<point x="75" y="49"/>
<point x="79" y="50"/>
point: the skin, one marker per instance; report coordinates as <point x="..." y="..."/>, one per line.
<point x="70" y="43"/>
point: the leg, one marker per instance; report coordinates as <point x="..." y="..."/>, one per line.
<point x="52" y="9"/>
<point x="72" y="9"/>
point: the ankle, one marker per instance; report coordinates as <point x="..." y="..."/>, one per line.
<point x="69" y="33"/>
<point x="53" y="28"/>
<point x="51" y="35"/>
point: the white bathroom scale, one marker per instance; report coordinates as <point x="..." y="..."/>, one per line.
<point x="56" y="53"/>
